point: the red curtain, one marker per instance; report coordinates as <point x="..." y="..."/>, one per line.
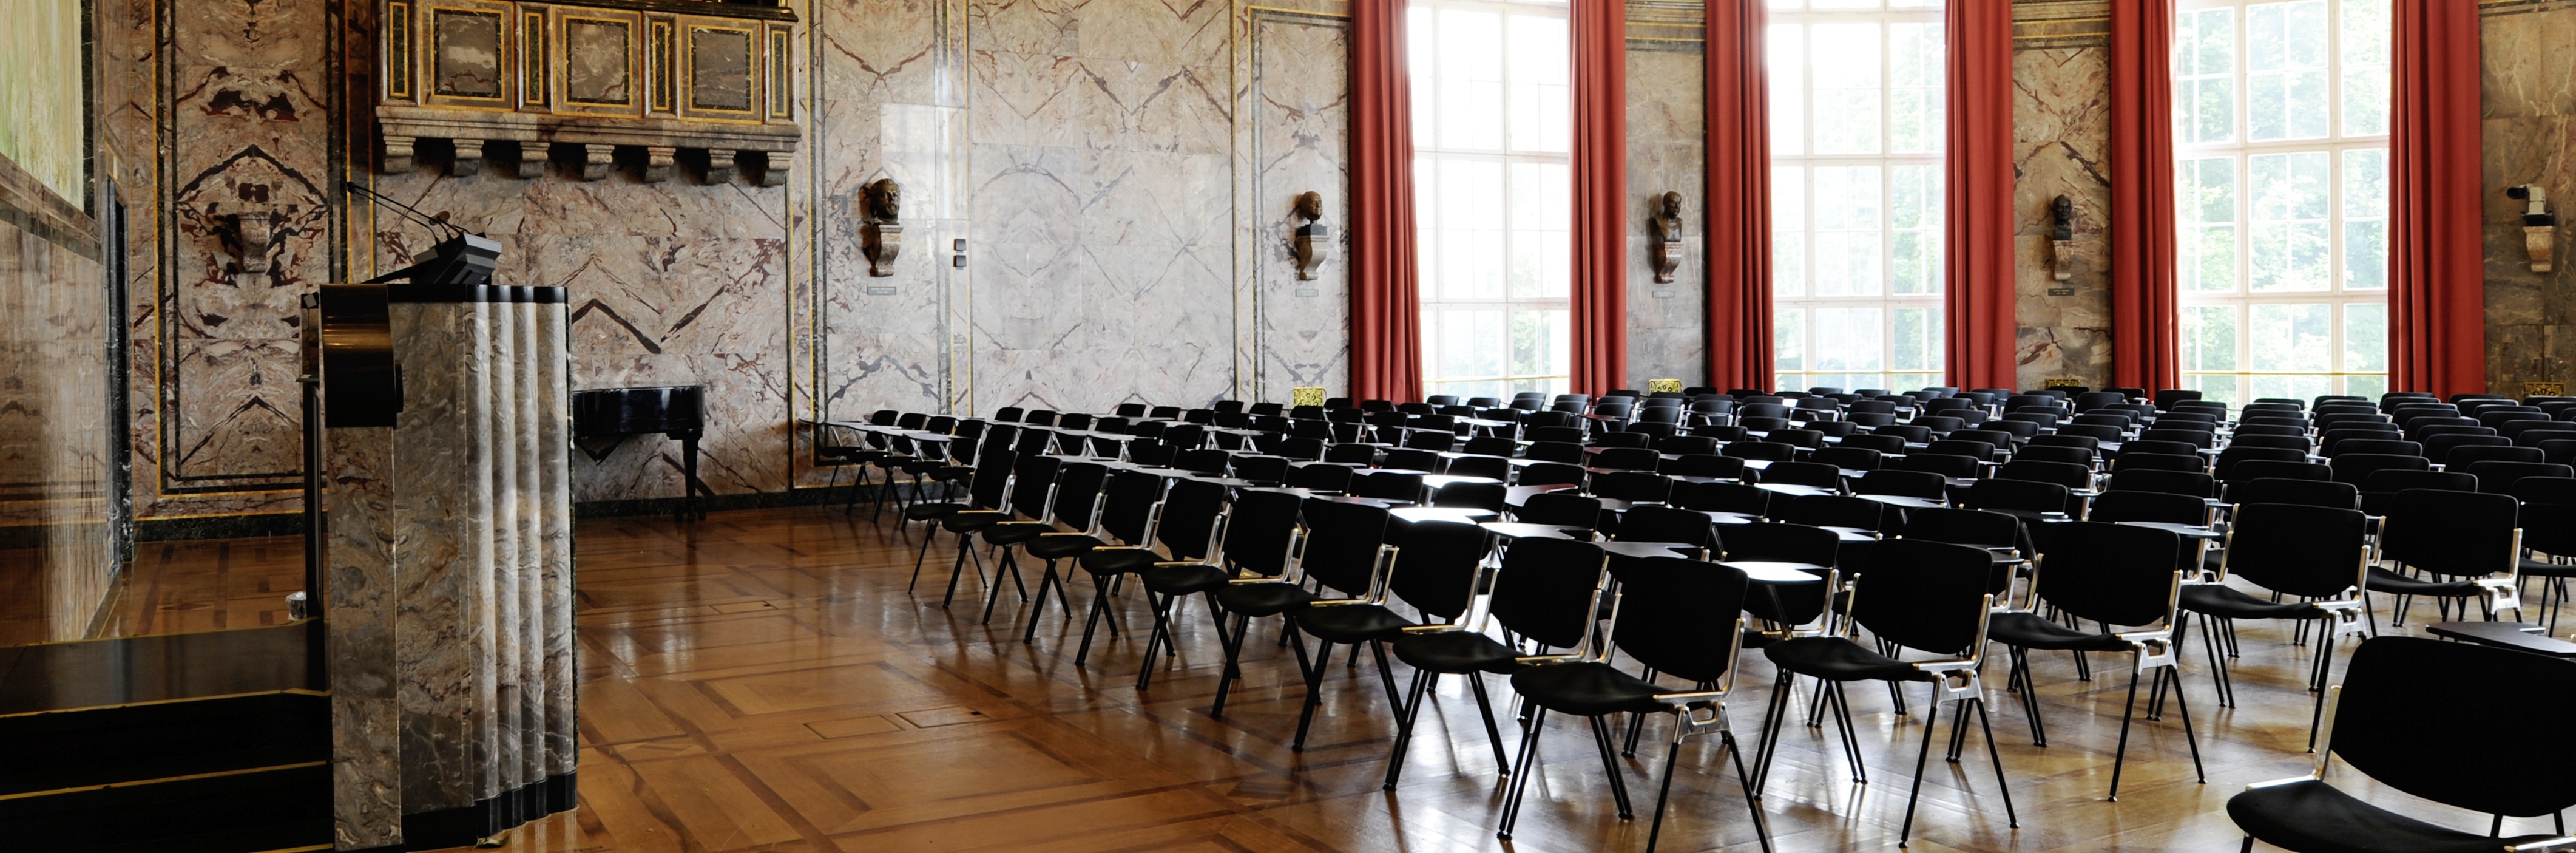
<point x="2145" y="350"/>
<point x="1739" y="197"/>
<point x="1600" y="293"/>
<point x="1386" y="298"/>
<point x="2436" y="266"/>
<point x="1979" y="261"/>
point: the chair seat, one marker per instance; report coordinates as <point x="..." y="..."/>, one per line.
<point x="1456" y="653"/>
<point x="973" y="520"/>
<point x="1263" y="599"/>
<point x="1585" y="689"/>
<point x="2227" y="603"/>
<point x="1016" y="532"/>
<point x="1184" y="579"/>
<point x="1838" y="659"/>
<point x="2314" y="817"/>
<point x="1117" y="561"/>
<point x="2029" y="631"/>
<point x="1352" y="623"/>
<point x="2383" y="580"/>
<point x="1060" y="545"/>
<point x="2547" y="569"/>
<point x="932" y="511"/>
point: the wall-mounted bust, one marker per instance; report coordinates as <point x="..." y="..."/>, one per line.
<point x="1310" y="205"/>
<point x="885" y="200"/>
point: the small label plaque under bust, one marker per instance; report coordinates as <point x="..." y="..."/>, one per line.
<point x="880" y="290"/>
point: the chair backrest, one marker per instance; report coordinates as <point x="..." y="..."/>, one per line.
<point x="1437" y="565"/>
<point x="1554" y="451"/>
<point x="1033" y="485"/>
<point x="2055" y="453"/>
<point x="2132" y="460"/>
<point x="2499" y="477"/>
<point x="1705" y="465"/>
<point x="1342" y="541"/>
<point x="1931" y="596"/>
<point x="1077" y="493"/>
<point x="1817" y="474"/>
<point x="1549" y="473"/>
<point x="992" y="481"/>
<point x="1203" y="460"/>
<point x="1839" y="511"/>
<point x="1639" y="486"/>
<point x="1777" y="542"/>
<point x="1767" y="450"/>
<point x="1978" y="450"/>
<point x="1944" y="464"/>
<point x="1723" y="497"/>
<point x="1494" y="467"/>
<point x="2357" y="467"/>
<point x="1260" y="529"/>
<point x="1627" y="459"/>
<point x="2064" y="474"/>
<point x="2114" y="573"/>
<point x="1544" y="591"/>
<point x="1411" y="459"/>
<point x="1387" y="485"/>
<point x="2394" y="481"/>
<point x="1561" y="509"/>
<point x="1907" y="432"/>
<point x="1188" y="524"/>
<point x="1685" y="444"/>
<point x="2393" y="447"/>
<point x="2297" y="549"/>
<point x="2451" y="533"/>
<point x="2024" y="495"/>
<point x="2167" y="507"/>
<point x="2225" y="466"/>
<point x="1666" y="524"/>
<point x="2548" y="513"/>
<point x="1325" y="477"/>
<point x="1964" y="527"/>
<point x="1667" y="609"/>
<point x="2192" y="483"/>
<point x="1912" y="484"/>
<point x="1127" y="510"/>
<point x="2388" y="725"/>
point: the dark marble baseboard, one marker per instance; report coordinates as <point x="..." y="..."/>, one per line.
<point x="292" y="523"/>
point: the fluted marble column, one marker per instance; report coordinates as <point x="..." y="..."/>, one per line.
<point x="471" y="571"/>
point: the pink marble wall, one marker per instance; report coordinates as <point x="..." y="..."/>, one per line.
<point x="1667" y="152"/>
<point x="2529" y="93"/>
<point x="2061" y="136"/>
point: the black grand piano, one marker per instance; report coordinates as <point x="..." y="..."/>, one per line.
<point x="604" y="417"/>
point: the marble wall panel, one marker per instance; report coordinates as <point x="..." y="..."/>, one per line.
<point x="1667" y="152"/>
<point x="57" y="554"/>
<point x="1099" y="173"/>
<point x="2528" y="92"/>
<point x="2061" y="136"/>
<point x="1294" y="106"/>
<point x="244" y="122"/>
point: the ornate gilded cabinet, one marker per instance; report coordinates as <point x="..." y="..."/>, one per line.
<point x="658" y="75"/>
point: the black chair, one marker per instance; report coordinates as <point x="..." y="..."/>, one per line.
<point x="1705" y="465"/>
<point x="1550" y="473"/>
<point x="2132" y="460"/>
<point x="2436" y="744"/>
<point x="2191" y="483"/>
<point x="1439" y="579"/>
<point x="1565" y="452"/>
<point x="1194" y="526"/>
<point x="1547" y="593"/>
<point x="2355" y="468"/>
<point x="1661" y="619"/>
<point x="1937" y="463"/>
<point x="2145" y="505"/>
<point x="1911" y="484"/>
<point x="1563" y="509"/>
<point x="1635" y="486"/>
<point x="2258" y="469"/>
<point x="2499" y="477"/>
<point x="1723" y="497"/>
<point x="2028" y="499"/>
<point x="1765" y="450"/>
<point x="2470" y="536"/>
<point x="985" y="495"/>
<point x="1627" y="459"/>
<point x="1839" y="511"/>
<point x="1345" y="540"/>
<point x="2114" y="575"/>
<point x="1930" y="596"/>
<point x="2056" y="453"/>
<point x="1815" y="474"/>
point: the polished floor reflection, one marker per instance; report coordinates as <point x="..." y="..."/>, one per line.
<point x="760" y="681"/>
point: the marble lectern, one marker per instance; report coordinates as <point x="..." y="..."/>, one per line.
<point x="448" y="574"/>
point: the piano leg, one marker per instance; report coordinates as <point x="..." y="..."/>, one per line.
<point x="691" y="509"/>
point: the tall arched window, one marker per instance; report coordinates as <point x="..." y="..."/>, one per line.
<point x="1857" y="129"/>
<point x="2281" y="196"/>
<point x="1493" y="193"/>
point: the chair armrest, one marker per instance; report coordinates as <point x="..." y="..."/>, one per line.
<point x="2289" y="781"/>
<point x="2562" y="842"/>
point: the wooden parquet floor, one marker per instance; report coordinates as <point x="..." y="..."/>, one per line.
<point x="761" y="681"/>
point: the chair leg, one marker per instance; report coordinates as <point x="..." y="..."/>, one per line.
<point x="1314" y="684"/>
<point x="1664" y="792"/>
<point x="1099" y="605"/>
<point x="1037" y="609"/>
<point x="1493" y="735"/>
<point x="1385" y="673"/>
<point x="918" y="559"/>
<point x="1011" y="561"/>
<point x="965" y="549"/>
<point x="2120" y="758"/>
<point x="1841" y="702"/>
<point x="2029" y="697"/>
<point x="1922" y="757"/>
<point x="1610" y="765"/>
<point x="1404" y="718"/>
<point x="1520" y="781"/>
<point x="1752" y="801"/>
<point x="2189" y="738"/>
<point x="2325" y="664"/>
<point x="1233" y="642"/>
<point x="1770" y="729"/>
<point x="2011" y="817"/>
<point x="1159" y="638"/>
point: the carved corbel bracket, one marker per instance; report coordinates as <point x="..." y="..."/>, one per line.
<point x="469" y="158"/>
<point x="532" y="161"/>
<point x="657" y="163"/>
<point x="398" y="154"/>
<point x="596" y="160"/>
<point x="774" y="174"/>
<point x="719" y="165"/>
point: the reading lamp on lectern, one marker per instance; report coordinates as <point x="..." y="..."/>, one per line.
<point x="459" y="257"/>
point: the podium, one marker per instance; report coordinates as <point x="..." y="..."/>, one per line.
<point x="446" y="567"/>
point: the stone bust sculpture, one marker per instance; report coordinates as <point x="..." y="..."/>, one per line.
<point x="1310" y="206"/>
<point x="1667" y="236"/>
<point x="884" y="200"/>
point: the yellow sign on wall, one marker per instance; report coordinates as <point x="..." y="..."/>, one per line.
<point x="1663" y="386"/>
<point x="1313" y="396"/>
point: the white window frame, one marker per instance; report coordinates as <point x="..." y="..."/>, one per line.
<point x="1429" y="152"/>
<point x="1805" y="302"/>
<point x="2243" y="299"/>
